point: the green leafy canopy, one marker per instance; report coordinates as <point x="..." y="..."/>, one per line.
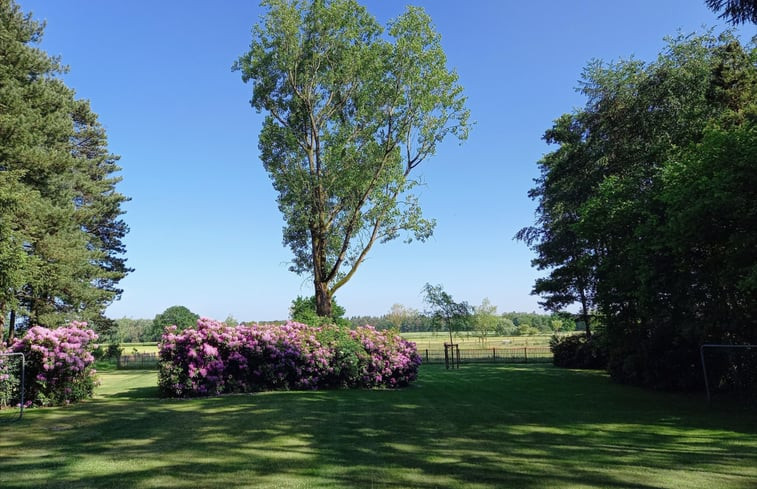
<point x="350" y="113"/>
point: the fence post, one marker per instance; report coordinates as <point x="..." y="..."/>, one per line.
<point x="427" y="355"/>
<point x="494" y="354"/>
<point x="525" y="353"/>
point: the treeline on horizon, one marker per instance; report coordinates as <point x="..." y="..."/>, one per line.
<point x="131" y="330"/>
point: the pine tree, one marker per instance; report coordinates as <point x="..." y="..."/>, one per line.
<point x="60" y="229"/>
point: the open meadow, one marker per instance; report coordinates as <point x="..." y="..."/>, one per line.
<point x="481" y="426"/>
<point x="429" y="340"/>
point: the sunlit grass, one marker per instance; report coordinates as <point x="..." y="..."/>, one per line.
<point x="478" y="427"/>
<point x="465" y="340"/>
<point x="432" y="341"/>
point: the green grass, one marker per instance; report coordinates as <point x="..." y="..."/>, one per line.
<point x="435" y="341"/>
<point x="432" y="341"/>
<point x="478" y="427"/>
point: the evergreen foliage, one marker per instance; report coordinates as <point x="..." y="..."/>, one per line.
<point x="735" y="11"/>
<point x="61" y="249"/>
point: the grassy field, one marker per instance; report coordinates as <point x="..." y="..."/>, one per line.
<point x="479" y="427"/>
<point x="432" y="341"/>
<point x="435" y="341"/>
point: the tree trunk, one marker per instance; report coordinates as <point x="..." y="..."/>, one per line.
<point x="2" y="323"/>
<point x="585" y="313"/>
<point x="12" y="326"/>
<point x="322" y="299"/>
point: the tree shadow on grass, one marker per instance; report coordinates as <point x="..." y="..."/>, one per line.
<point x="479" y="427"/>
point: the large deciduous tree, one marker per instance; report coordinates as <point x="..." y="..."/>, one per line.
<point x="647" y="206"/>
<point x="61" y="246"/>
<point x="351" y="113"/>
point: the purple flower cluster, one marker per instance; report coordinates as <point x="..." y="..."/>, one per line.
<point x="214" y="358"/>
<point x="9" y="379"/>
<point x="59" y="363"/>
<point x="391" y="360"/>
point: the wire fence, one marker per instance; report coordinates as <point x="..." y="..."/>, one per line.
<point x="525" y="354"/>
<point x="138" y="361"/>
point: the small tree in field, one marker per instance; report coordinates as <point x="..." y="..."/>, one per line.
<point x="444" y="311"/>
<point x="351" y="112"/>
<point x="398" y="314"/>
<point x="485" y="319"/>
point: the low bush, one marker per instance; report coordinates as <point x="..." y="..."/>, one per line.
<point x="215" y="358"/>
<point x="578" y="351"/>
<point x="59" y="364"/>
<point x="9" y="378"/>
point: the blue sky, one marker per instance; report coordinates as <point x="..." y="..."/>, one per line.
<point x="205" y="228"/>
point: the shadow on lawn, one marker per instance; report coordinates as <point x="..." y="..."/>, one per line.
<point x="481" y="426"/>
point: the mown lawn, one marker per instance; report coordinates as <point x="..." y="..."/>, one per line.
<point x="478" y="427"/>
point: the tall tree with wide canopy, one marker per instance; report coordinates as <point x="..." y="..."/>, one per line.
<point x="649" y="200"/>
<point x="60" y="229"/>
<point x="350" y="114"/>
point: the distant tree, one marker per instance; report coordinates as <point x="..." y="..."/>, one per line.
<point x="484" y="319"/>
<point x="505" y="326"/>
<point x="230" y="321"/>
<point x="556" y="325"/>
<point x="735" y="11"/>
<point x="399" y="314"/>
<point x="444" y="311"/>
<point x="178" y="316"/>
<point x="130" y="330"/>
<point x="527" y="330"/>
<point x="351" y="113"/>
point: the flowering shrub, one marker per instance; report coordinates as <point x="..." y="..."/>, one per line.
<point x="9" y="378"/>
<point x="59" y="363"/>
<point x="215" y="358"/>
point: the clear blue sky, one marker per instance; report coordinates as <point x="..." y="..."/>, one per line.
<point x="205" y="228"/>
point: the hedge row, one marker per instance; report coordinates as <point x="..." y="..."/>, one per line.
<point x="214" y="358"/>
<point x="578" y="351"/>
